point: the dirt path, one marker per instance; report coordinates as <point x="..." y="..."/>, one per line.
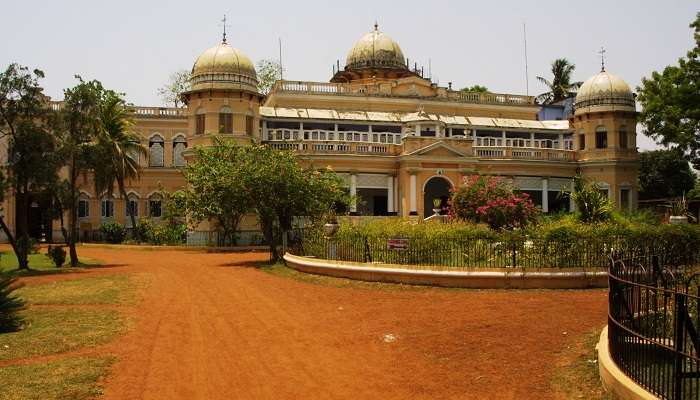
<point x="213" y="327"/>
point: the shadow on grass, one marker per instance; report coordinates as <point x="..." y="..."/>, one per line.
<point x="246" y="264"/>
<point x="81" y="268"/>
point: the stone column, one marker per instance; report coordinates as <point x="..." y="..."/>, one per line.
<point x="417" y="129"/>
<point x="390" y="194"/>
<point x="545" y="197"/>
<point x="264" y="132"/>
<point x="503" y="138"/>
<point x="413" y="203"/>
<point x="353" y="193"/>
<point x="532" y="139"/>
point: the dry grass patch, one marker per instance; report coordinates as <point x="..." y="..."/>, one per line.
<point x="57" y="330"/>
<point x="577" y="375"/>
<point x="75" y="379"/>
<point x="106" y="289"/>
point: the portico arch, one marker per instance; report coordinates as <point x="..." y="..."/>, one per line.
<point x="436" y="187"/>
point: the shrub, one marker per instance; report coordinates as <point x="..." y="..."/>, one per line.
<point x="57" y="255"/>
<point x="143" y="230"/>
<point x="592" y="203"/>
<point x="492" y="200"/>
<point x="10" y="305"/>
<point x="113" y="232"/>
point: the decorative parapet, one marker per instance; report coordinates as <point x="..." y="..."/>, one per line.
<point x="378" y="89"/>
<point x="143" y="112"/>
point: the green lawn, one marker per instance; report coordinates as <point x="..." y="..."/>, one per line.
<point x="105" y="289"/>
<point x="75" y="379"/>
<point x="52" y="331"/>
<point x="39" y="264"/>
<point x="55" y="322"/>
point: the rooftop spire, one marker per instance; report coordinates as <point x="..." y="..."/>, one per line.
<point x="223" y="23"/>
<point x="602" y="58"/>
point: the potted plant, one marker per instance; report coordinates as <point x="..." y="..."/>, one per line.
<point x="436" y="206"/>
<point x="331" y="227"/>
<point x="679" y="211"/>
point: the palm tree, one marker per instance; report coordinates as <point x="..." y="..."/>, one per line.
<point x="560" y="87"/>
<point x="117" y="150"/>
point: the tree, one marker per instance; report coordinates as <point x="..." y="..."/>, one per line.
<point x="215" y="187"/>
<point x="268" y="71"/>
<point x="31" y="167"/>
<point x="282" y="190"/>
<point x="671" y="102"/>
<point x="117" y="150"/>
<point x="475" y="88"/>
<point x="171" y="92"/>
<point x="226" y="181"/>
<point x="80" y="126"/>
<point x="560" y="87"/>
<point x="664" y="174"/>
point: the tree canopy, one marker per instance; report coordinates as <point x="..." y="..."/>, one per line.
<point x="475" y="88"/>
<point x="671" y="102"/>
<point x="171" y="92"/>
<point x="560" y="87"/>
<point x="268" y="71"/>
<point x="31" y="168"/>
<point x="226" y="181"/>
<point x="664" y="174"/>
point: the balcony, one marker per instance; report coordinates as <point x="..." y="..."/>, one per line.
<point x="314" y="147"/>
<point x="524" y="153"/>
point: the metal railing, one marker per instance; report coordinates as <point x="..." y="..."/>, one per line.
<point x="653" y="323"/>
<point x="503" y="251"/>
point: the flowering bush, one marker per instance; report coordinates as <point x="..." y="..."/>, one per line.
<point x="492" y="200"/>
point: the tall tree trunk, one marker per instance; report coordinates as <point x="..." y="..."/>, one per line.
<point x="73" y="214"/>
<point x="134" y="232"/>
<point x="10" y="236"/>
<point x="21" y="209"/>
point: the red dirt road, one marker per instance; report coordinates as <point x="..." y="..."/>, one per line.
<point x="213" y="327"/>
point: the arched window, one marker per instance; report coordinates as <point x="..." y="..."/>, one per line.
<point x="155" y="150"/>
<point x="155" y="206"/>
<point x="107" y="208"/>
<point x="581" y="139"/>
<point x="225" y="120"/>
<point x="623" y="137"/>
<point x="179" y="146"/>
<point x="132" y="205"/>
<point x="199" y="118"/>
<point x="83" y="206"/>
<point x="601" y="138"/>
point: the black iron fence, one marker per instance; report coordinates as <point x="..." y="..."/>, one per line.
<point x="506" y="251"/>
<point x="653" y="324"/>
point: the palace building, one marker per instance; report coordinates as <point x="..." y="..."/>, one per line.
<point x="399" y="140"/>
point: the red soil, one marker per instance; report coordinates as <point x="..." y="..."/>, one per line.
<point x="213" y="327"/>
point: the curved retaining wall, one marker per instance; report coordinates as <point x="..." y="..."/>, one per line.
<point x="614" y="380"/>
<point x="499" y="278"/>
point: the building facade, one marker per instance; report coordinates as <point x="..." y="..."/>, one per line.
<point x="398" y="140"/>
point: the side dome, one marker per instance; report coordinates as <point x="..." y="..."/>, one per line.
<point x="223" y="67"/>
<point x="604" y="92"/>
<point x="375" y="50"/>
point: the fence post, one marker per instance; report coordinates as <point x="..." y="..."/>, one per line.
<point x="679" y="344"/>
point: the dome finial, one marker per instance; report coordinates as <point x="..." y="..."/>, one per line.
<point x="223" y="23"/>
<point x="376" y="25"/>
<point x="602" y="58"/>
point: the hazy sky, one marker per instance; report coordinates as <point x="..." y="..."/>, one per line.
<point x="132" y="46"/>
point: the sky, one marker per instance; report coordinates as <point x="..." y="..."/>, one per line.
<point x="133" y="46"/>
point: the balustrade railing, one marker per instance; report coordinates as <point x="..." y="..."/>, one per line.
<point x="374" y="89"/>
<point x="147" y="112"/>
<point x="337" y="148"/>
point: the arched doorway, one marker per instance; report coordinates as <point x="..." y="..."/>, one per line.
<point x="437" y="187"/>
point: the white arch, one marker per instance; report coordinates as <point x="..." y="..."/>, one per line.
<point x="156" y="134"/>
<point x="425" y="183"/>
<point x="154" y="192"/>
<point x="180" y="135"/>
<point x="87" y="194"/>
<point x="135" y="193"/>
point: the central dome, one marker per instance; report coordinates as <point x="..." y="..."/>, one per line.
<point x="375" y="50"/>
<point x="223" y="67"/>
